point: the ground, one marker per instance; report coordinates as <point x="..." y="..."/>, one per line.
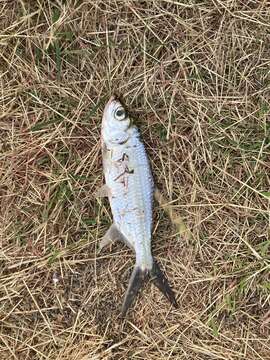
<point x="195" y="77"/>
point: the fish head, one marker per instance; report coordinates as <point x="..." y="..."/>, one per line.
<point x="115" y="122"/>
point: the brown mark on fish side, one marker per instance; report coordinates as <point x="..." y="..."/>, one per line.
<point x="125" y="157"/>
<point x="123" y="163"/>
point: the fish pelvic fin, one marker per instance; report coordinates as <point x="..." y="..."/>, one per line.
<point x="139" y="277"/>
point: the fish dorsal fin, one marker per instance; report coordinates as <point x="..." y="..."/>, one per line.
<point x="103" y="191"/>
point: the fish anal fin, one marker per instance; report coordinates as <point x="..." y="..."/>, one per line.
<point x="111" y="236"/>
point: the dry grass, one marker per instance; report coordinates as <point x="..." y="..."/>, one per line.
<point x="195" y="75"/>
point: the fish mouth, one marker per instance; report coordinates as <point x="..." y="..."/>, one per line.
<point x="112" y="98"/>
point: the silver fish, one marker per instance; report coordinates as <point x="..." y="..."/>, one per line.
<point x="129" y="187"/>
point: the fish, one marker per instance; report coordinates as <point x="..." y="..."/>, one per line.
<point x="129" y="186"/>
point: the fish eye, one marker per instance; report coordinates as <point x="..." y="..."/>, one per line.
<point x="120" y="113"/>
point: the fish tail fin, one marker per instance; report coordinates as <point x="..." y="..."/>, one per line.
<point x="137" y="280"/>
<point x="162" y="283"/>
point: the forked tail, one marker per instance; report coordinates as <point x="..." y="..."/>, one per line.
<point x="139" y="277"/>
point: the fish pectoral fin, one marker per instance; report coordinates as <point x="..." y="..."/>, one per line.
<point x="103" y="191"/>
<point x="174" y="217"/>
<point x="110" y="237"/>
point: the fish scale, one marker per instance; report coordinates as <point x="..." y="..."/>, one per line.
<point x="132" y="196"/>
<point x="129" y="187"/>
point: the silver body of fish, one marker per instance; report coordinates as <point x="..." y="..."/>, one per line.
<point x="130" y="188"/>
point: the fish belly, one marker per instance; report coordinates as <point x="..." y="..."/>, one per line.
<point x="129" y="178"/>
